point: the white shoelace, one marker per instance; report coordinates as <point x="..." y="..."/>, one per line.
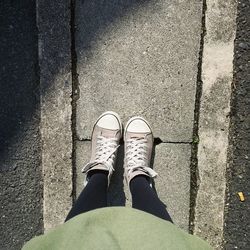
<point x="104" y="154"/>
<point x="137" y="156"/>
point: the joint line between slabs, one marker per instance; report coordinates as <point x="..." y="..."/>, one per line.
<point x="194" y="170"/>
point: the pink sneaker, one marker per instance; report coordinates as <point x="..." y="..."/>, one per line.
<point x="105" y="138"/>
<point x="138" y="139"/>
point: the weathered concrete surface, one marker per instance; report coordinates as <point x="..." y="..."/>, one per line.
<point x="237" y="213"/>
<point x="138" y="58"/>
<point x="20" y="148"/>
<point x="83" y="152"/>
<point x="171" y="161"/>
<point x="53" y="19"/>
<point x="217" y="68"/>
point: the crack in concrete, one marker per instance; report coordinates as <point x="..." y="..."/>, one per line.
<point x="176" y="142"/>
<point x="75" y="96"/>
<point x="157" y="141"/>
<point x="194" y="171"/>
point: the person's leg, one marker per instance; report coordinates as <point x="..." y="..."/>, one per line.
<point x="144" y="198"/>
<point x="93" y="196"/>
<point x="138" y="140"/>
<point x="106" y="134"/>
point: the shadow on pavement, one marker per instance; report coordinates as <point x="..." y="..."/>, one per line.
<point x="20" y="141"/>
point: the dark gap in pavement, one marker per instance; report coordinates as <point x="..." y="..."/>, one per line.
<point x="194" y="171"/>
<point x="176" y="142"/>
<point x="157" y="141"/>
<point x="75" y="95"/>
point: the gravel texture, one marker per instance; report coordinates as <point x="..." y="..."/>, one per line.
<point x="20" y="159"/>
<point x="237" y="227"/>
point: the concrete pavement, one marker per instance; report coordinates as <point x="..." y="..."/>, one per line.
<point x="138" y="58"/>
<point x="217" y="78"/>
<point x="54" y="38"/>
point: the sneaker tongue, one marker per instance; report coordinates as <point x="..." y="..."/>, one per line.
<point x="137" y="137"/>
<point x="108" y="133"/>
<point x="99" y="167"/>
<point x="133" y="135"/>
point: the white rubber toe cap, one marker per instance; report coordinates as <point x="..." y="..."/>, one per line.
<point x="138" y="125"/>
<point x="109" y="120"/>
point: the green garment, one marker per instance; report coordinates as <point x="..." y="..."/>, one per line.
<point x="116" y="228"/>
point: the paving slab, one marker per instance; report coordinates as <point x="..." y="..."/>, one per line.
<point x="53" y="20"/>
<point x="138" y="58"/>
<point x="171" y="161"/>
<point x="217" y="75"/>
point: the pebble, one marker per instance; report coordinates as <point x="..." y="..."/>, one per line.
<point x="243" y="45"/>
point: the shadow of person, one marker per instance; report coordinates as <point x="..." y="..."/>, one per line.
<point x="116" y="195"/>
<point x="157" y="141"/>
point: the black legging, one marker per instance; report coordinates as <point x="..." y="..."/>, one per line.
<point x="94" y="195"/>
